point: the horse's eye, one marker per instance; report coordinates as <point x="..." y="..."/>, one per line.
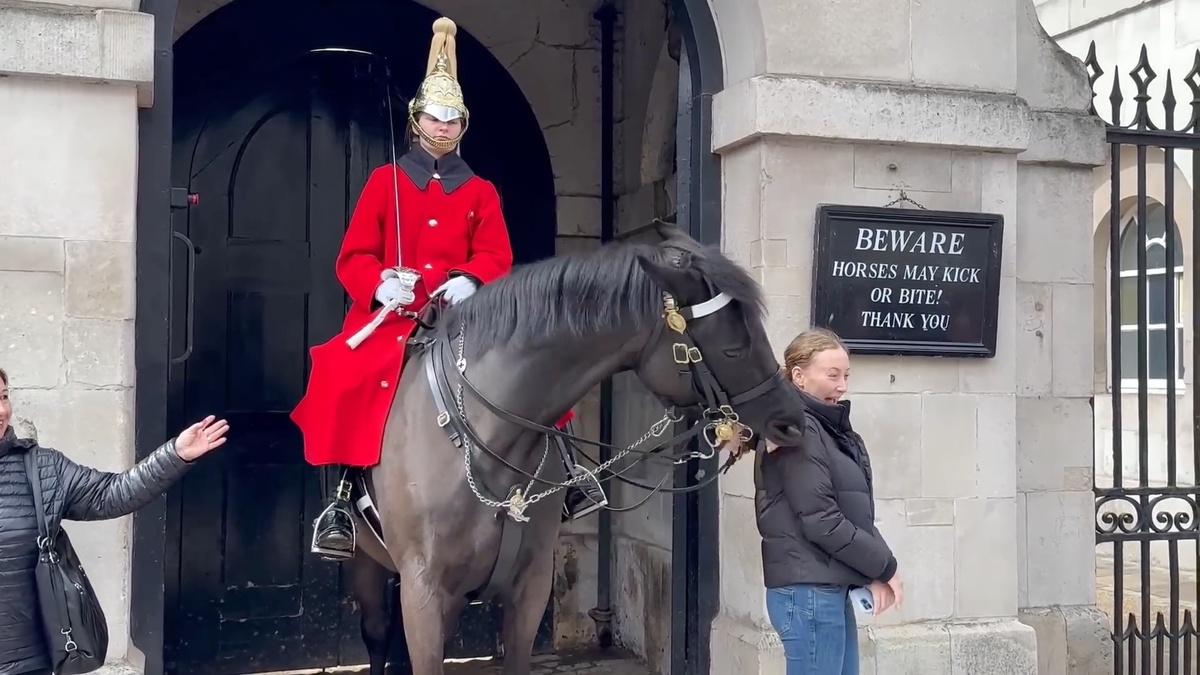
<point x="734" y="353"/>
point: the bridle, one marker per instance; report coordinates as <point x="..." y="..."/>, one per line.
<point x="718" y="411"/>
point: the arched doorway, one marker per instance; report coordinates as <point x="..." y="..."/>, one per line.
<point x="310" y="98"/>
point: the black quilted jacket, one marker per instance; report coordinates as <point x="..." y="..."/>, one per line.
<point x="70" y="492"/>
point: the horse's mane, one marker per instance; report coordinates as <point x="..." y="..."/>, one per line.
<point x="591" y="292"/>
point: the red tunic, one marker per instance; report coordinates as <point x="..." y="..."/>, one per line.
<point x="450" y="223"/>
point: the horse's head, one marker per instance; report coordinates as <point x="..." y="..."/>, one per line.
<point x="711" y="351"/>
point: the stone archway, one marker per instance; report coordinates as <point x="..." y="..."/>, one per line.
<point x="532" y="55"/>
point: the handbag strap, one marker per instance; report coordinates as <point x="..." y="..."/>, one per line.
<point x="35" y="482"/>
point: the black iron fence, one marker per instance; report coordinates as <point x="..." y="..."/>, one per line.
<point x="1147" y="512"/>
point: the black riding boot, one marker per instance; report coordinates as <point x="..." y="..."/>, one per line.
<point x="585" y="497"/>
<point x="333" y="531"/>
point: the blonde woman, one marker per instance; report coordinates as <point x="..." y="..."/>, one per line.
<point x="816" y="514"/>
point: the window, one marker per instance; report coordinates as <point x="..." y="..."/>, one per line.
<point x="1159" y="319"/>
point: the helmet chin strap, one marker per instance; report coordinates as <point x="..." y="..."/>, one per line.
<point x="440" y="144"/>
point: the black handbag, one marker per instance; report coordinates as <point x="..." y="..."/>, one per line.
<point x="73" y="623"/>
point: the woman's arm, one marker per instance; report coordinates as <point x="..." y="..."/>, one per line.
<point x="808" y="486"/>
<point x="90" y="494"/>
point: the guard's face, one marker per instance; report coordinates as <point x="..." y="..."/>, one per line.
<point x="442" y="131"/>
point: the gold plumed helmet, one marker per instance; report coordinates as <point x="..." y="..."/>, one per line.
<point x="440" y="94"/>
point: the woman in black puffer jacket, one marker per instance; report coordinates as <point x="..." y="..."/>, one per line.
<point x="816" y="514"/>
<point x="70" y="492"/>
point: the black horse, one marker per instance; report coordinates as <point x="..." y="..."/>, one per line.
<point x="467" y="454"/>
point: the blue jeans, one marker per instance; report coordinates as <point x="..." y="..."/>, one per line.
<point x="816" y="624"/>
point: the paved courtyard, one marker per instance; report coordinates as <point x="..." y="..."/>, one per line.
<point x="571" y="663"/>
<point x="567" y="664"/>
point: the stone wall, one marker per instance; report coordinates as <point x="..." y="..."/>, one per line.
<point x="983" y="467"/>
<point x="67" y="203"/>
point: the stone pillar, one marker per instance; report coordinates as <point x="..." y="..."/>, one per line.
<point x="69" y="97"/>
<point x="966" y="106"/>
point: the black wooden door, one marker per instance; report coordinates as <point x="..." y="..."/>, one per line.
<point x="276" y="178"/>
<point x="277" y="169"/>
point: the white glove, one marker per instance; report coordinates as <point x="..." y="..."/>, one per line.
<point x="457" y="289"/>
<point x="390" y="289"/>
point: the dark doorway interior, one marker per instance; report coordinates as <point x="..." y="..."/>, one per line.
<point x="277" y="142"/>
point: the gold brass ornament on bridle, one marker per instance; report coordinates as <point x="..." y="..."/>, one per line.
<point x="724" y="428"/>
<point x="440" y="94"/>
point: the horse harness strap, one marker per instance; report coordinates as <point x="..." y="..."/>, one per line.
<point x="512" y="532"/>
<point x="694" y="371"/>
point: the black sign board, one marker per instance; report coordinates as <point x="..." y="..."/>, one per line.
<point x="910" y="282"/>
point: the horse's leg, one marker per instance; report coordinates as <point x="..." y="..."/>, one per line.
<point x="523" y="612"/>
<point x="422" y="608"/>
<point x="368" y="582"/>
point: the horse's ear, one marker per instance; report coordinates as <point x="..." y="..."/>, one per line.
<point x="668" y="231"/>
<point x="673" y="277"/>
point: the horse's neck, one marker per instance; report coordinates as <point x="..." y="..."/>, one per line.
<point x="542" y="383"/>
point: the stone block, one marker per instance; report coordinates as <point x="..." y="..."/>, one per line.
<point x="948" y="453"/>
<point x="546" y="76"/>
<point x="1034" y="353"/>
<point x="1054" y="434"/>
<point x="741" y="203"/>
<point x="576" y="165"/>
<point x="929" y="511"/>
<point x="1055" y="206"/>
<point x="99" y="353"/>
<point x="1060" y="535"/>
<point x="787" y="317"/>
<point x="574" y="591"/>
<point x="743" y="647"/>
<point x="742" y="584"/>
<point x="996" y="446"/>
<point x="642" y="587"/>
<point x="998" y="194"/>
<point x="912" y="649"/>
<point x="102" y="45"/>
<point x="948" y="37"/>
<point x="872" y="112"/>
<point x="867" y="41"/>
<point x="1022" y="551"/>
<point x="579" y="216"/>
<point x="909" y="374"/>
<point x="985" y="558"/>
<point x="891" y="427"/>
<point x="100" y="280"/>
<point x="31" y="254"/>
<point x="885" y="167"/>
<point x="31" y="312"/>
<point x="796" y="177"/>
<point x="998" y="374"/>
<point x="926" y="563"/>
<point x="52" y="129"/>
<point x="1072" y="340"/>
<point x="993" y="648"/>
<point x="1072" y="640"/>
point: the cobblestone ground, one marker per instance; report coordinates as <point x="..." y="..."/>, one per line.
<point x="553" y="664"/>
<point x="583" y="663"/>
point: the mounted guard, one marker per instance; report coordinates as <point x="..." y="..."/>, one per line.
<point x="425" y="227"/>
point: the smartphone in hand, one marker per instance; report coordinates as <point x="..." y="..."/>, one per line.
<point x="862" y="600"/>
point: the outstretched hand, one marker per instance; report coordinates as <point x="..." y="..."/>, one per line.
<point x="198" y="439"/>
